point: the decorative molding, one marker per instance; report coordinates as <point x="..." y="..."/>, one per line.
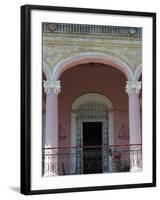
<point x="92" y="29"/>
<point x="49" y="85"/>
<point x="133" y="86"/>
<point x="99" y="98"/>
<point x="69" y="55"/>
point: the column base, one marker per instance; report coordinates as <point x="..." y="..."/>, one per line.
<point x="50" y="162"/>
<point x="135" y="158"/>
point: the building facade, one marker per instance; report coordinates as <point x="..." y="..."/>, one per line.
<point x="92" y="99"/>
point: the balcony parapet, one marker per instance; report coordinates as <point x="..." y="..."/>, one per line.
<point x="92" y="29"/>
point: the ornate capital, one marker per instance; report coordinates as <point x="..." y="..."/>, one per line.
<point x="133" y="87"/>
<point x="49" y="85"/>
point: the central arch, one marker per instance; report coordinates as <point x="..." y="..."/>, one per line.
<point x="87" y="57"/>
<point x="104" y="116"/>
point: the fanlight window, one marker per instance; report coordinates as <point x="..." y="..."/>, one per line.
<point x="92" y="109"/>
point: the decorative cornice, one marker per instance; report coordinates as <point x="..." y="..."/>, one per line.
<point x="133" y="87"/>
<point x="49" y="85"/>
<point x="91" y="29"/>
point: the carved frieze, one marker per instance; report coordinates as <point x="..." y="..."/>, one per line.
<point x="56" y="47"/>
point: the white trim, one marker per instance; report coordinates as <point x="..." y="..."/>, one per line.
<point x="137" y="73"/>
<point x="45" y="69"/>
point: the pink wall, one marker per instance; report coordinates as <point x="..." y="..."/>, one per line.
<point x="97" y="78"/>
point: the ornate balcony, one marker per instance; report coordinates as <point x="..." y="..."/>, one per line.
<point x="89" y="159"/>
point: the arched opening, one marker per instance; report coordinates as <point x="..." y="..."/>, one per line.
<point x="92" y="132"/>
<point x="90" y="57"/>
<point x="90" y="93"/>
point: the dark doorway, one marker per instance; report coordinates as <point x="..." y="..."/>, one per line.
<point x="92" y="147"/>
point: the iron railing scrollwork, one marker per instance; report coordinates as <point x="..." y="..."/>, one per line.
<point x="89" y="159"/>
<point x="92" y="159"/>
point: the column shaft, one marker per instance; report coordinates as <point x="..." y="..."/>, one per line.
<point x="51" y="139"/>
<point x="51" y="135"/>
<point x="133" y="89"/>
<point x="134" y="119"/>
<point x="50" y="154"/>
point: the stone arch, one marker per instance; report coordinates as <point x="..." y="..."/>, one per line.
<point x="137" y="73"/>
<point x="90" y="56"/>
<point x="46" y="70"/>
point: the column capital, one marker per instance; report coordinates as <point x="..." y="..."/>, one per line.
<point x="133" y="87"/>
<point x="49" y="85"/>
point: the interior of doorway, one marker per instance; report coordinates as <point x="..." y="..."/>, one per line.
<point x="92" y="147"/>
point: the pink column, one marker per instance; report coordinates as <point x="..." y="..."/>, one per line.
<point x="51" y="139"/>
<point x="52" y="88"/>
<point x="133" y="89"/>
<point x="134" y="119"/>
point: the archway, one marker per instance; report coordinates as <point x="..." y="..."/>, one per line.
<point x="91" y="108"/>
<point x="87" y="57"/>
<point x="138" y="73"/>
<point x="73" y="61"/>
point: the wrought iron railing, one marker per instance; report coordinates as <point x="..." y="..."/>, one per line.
<point x="89" y="159"/>
<point x="126" y="157"/>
